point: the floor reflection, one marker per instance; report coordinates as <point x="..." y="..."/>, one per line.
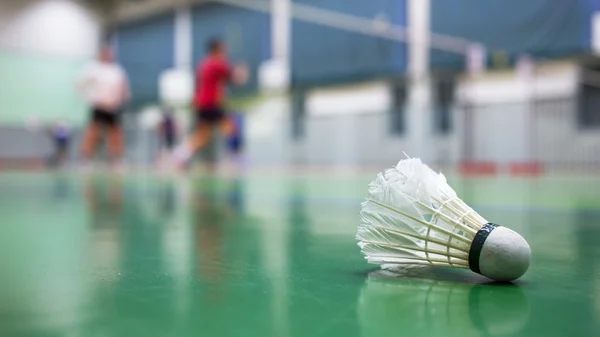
<point x="210" y="217"/>
<point x="104" y="196"/>
<point x="62" y="187"/>
<point x="587" y="232"/>
<point x="167" y="198"/>
<point x="432" y="307"/>
<point x="43" y="285"/>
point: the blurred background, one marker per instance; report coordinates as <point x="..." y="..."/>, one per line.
<point x="502" y="95"/>
<point x="485" y="87"/>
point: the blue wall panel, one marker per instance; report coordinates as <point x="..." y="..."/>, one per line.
<point x="245" y="32"/>
<point x="145" y="49"/>
<point x="543" y="28"/>
<point x="323" y="54"/>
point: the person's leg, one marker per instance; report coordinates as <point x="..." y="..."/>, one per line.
<point x="91" y="138"/>
<point x="167" y="145"/>
<point x="51" y="162"/>
<point x="115" y="139"/>
<point x="61" y="157"/>
<point x="61" y="152"/>
<point x="65" y="152"/>
<point x="228" y="127"/>
<point x="231" y="127"/>
<point x="197" y="141"/>
<point x="223" y="124"/>
<point x="200" y="137"/>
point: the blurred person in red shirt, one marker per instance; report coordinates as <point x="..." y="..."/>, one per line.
<point x="106" y="88"/>
<point x="213" y="74"/>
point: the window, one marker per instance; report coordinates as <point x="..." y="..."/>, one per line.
<point x="298" y="113"/>
<point x="589" y="106"/>
<point x="588" y="102"/>
<point x="444" y="100"/>
<point x="398" y="110"/>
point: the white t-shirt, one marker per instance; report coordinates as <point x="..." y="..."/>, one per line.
<point x="105" y="86"/>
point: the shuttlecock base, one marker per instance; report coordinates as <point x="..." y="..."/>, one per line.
<point x="499" y="253"/>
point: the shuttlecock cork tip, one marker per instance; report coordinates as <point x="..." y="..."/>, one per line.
<point x="499" y="253"/>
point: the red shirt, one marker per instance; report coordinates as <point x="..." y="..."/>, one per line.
<point x="212" y="75"/>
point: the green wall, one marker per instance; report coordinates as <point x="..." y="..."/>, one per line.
<point x="40" y="85"/>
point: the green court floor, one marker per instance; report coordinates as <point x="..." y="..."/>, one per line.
<point x="274" y="254"/>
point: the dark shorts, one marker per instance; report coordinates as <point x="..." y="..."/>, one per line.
<point x="210" y="116"/>
<point x="106" y="118"/>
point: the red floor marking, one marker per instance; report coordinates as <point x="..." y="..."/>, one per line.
<point x="478" y="168"/>
<point x="526" y="169"/>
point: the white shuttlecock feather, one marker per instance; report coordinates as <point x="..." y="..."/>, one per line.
<point x="412" y="216"/>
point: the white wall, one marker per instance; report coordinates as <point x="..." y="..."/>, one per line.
<point x="345" y="126"/>
<point x="551" y="80"/>
<point x="520" y="119"/>
<point x="349" y="100"/>
<point x="54" y="27"/>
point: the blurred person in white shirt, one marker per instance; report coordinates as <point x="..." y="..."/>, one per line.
<point x="105" y="86"/>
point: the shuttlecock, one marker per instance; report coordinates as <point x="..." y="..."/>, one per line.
<point x="412" y="216"/>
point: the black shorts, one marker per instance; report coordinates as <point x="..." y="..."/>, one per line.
<point x="105" y="117"/>
<point x="210" y="116"/>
